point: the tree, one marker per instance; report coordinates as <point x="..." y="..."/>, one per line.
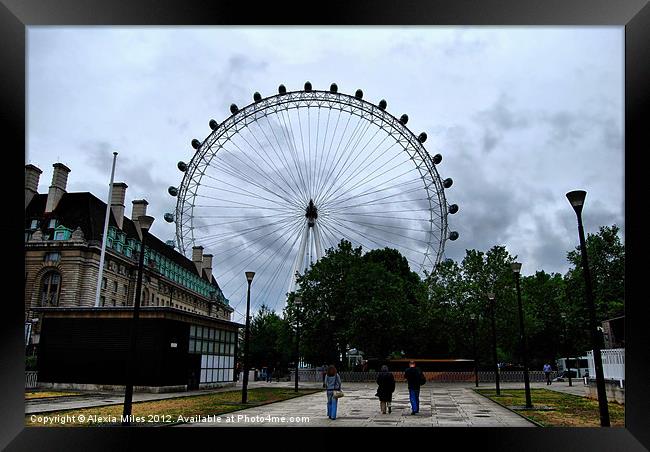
<point x="270" y="341"/>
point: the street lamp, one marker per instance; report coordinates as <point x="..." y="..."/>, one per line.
<point x="491" y="297"/>
<point x="516" y="269"/>
<point x="145" y="222"/>
<point x="566" y="345"/>
<point x="244" y="391"/>
<point x="297" y="301"/>
<point x="473" y="319"/>
<point x="577" y="200"/>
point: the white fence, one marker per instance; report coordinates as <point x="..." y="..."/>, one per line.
<point x="613" y="363"/>
<point x="444" y="377"/>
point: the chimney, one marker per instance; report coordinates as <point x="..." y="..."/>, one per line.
<point x="139" y="209"/>
<point x="57" y="189"/>
<point x="117" y="202"/>
<point x="197" y="257"/>
<point x="32" y="175"/>
<point x="207" y="265"/>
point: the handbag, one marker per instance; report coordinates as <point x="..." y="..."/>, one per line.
<point x="338" y="394"/>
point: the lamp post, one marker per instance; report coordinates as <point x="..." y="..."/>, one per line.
<point x="297" y="301"/>
<point x="494" y="342"/>
<point x="473" y="319"/>
<point x="566" y="345"/>
<point x="516" y="269"/>
<point x="244" y="390"/>
<point x="145" y="222"/>
<point x="577" y="200"/>
<point x="336" y="346"/>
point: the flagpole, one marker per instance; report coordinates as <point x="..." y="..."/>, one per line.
<point x="105" y="236"/>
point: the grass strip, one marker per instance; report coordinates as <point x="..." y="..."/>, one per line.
<point x="568" y="410"/>
<point x="166" y="411"/>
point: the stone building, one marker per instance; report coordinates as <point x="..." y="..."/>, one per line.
<point x="63" y="239"/>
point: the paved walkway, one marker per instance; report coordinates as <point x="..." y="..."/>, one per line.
<point x="441" y="405"/>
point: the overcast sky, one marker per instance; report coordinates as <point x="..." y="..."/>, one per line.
<point x="520" y="115"/>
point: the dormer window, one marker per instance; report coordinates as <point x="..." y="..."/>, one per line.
<point x="62" y="233"/>
<point x="34" y="224"/>
<point x="52" y="223"/>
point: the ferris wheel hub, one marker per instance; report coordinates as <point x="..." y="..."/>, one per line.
<point x="311" y="213"/>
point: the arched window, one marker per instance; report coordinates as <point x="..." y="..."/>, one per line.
<point x="50" y="289"/>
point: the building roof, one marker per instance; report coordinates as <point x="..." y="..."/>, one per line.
<point x="86" y="211"/>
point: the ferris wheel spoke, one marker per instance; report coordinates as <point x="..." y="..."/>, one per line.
<point x="371" y="190"/>
<point x="341" y="208"/>
<point x="296" y="156"/>
<point x="349" y="183"/>
<point x="239" y="232"/>
<point x="247" y="244"/>
<point x="340" y="153"/>
<point x="383" y="229"/>
<point x="341" y="205"/>
<point x="247" y="262"/>
<point x="365" y="180"/>
<point x="347" y="159"/>
<point x="243" y="192"/>
<point x="322" y="148"/>
<point x="284" y="158"/>
<point x="277" y="172"/>
<point x="267" y="248"/>
<point x="244" y="174"/>
<point x="329" y="151"/>
<point x="254" y="206"/>
<point x="382" y="242"/>
<point x="360" y="168"/>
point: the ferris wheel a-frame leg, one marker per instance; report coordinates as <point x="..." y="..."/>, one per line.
<point x="317" y="241"/>
<point x="300" y="258"/>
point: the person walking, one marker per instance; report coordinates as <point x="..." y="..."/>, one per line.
<point x="386" y="387"/>
<point x="415" y="379"/>
<point x="269" y="374"/>
<point x="547" y="372"/>
<point x="332" y="382"/>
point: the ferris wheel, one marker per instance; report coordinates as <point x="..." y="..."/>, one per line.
<point x="284" y="179"/>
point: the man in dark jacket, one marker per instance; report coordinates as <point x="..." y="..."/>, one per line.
<point x="415" y="379"/>
<point x="385" y="389"/>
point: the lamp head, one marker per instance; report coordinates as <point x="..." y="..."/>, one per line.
<point x="145" y="222"/>
<point x="490" y="295"/>
<point x="472" y="317"/>
<point x="516" y="267"/>
<point x="297" y="301"/>
<point x="249" y="276"/>
<point x="577" y="199"/>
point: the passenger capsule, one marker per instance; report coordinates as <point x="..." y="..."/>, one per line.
<point x="404" y="119"/>
<point x="447" y="182"/>
<point x="308" y="86"/>
<point x="169" y="217"/>
<point x="382" y="104"/>
<point x="422" y="138"/>
<point x="257" y="97"/>
<point x="358" y="94"/>
<point x="233" y="109"/>
<point x="453" y="208"/>
<point x="453" y="235"/>
<point x="182" y="166"/>
<point x="172" y="191"/>
<point x="437" y="159"/>
<point x="214" y="124"/>
<point x="196" y="143"/>
<point x="334" y="88"/>
<point x="282" y="89"/>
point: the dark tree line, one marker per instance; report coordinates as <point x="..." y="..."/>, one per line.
<point x="373" y="302"/>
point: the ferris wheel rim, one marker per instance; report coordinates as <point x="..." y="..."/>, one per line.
<point x="353" y="105"/>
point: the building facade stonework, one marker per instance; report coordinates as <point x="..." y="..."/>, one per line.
<point x="63" y="238"/>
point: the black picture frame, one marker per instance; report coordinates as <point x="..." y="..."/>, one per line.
<point x="634" y="15"/>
